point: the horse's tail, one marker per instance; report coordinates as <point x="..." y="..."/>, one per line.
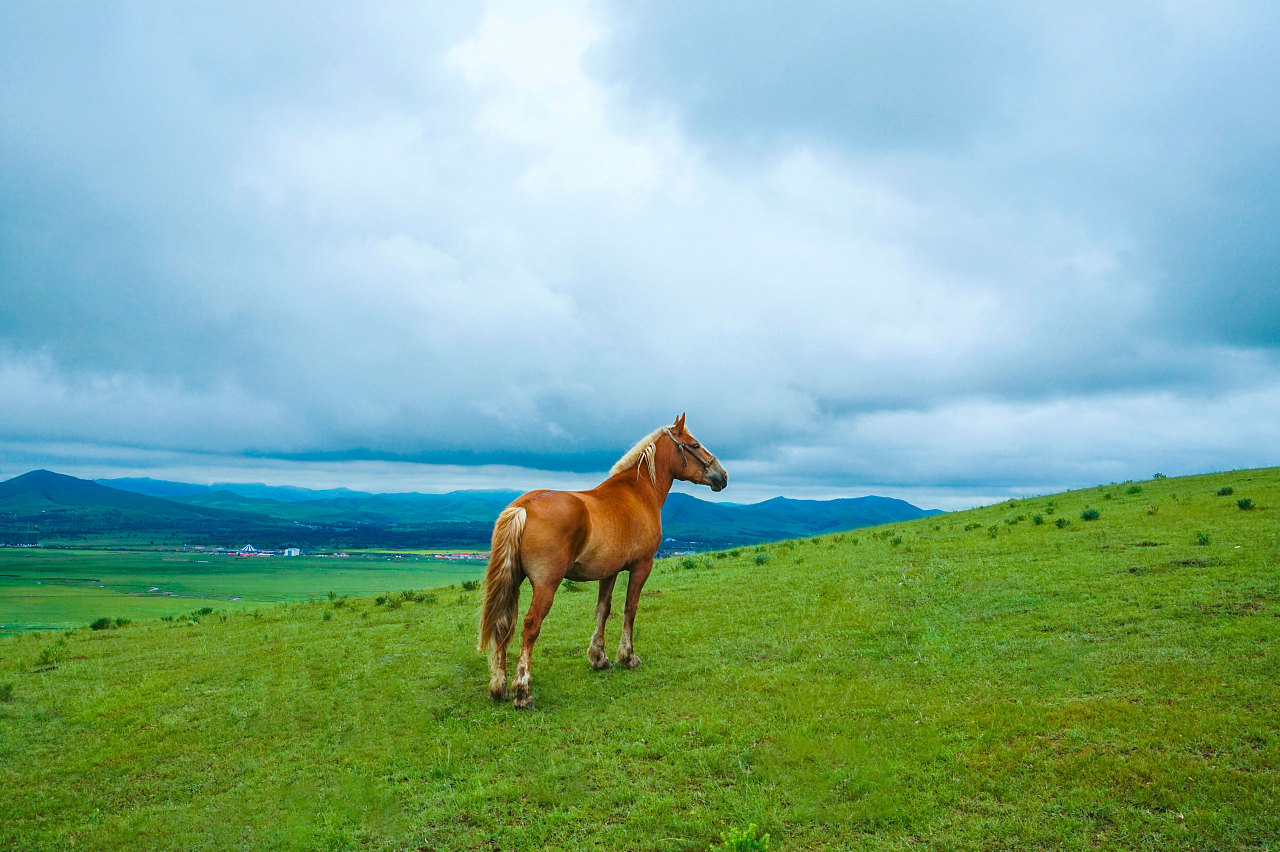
<point x="502" y="581"/>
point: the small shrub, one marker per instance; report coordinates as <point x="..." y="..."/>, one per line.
<point x="1159" y="476"/>
<point x="1090" y="514"/>
<point x="208" y="610"/>
<point x="1107" y="496"/>
<point x="1061" y="523"/>
<point x="762" y="558"/>
<point x="896" y="540"/>
<point x="742" y="840"/>
<point x="328" y="614"/>
<point x="1245" y="503"/>
<point x="380" y="600"/>
<point x="1133" y="489"/>
<point x="470" y="585"/>
<point x="1202" y="538"/>
<point x="1226" y="491"/>
<point x="101" y="624"/>
<point x="332" y="595"/>
<point x="429" y="598"/>
<point x="54" y="653"/>
<point x="993" y="530"/>
<point x="6" y="692"/>
<point x="121" y="622"/>
<point x="1037" y="520"/>
<point x="973" y="525"/>
<point x="688" y="562"/>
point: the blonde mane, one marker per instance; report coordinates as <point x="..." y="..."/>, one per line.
<point x="644" y="450"/>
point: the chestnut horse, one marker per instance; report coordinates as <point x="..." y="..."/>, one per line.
<point x="549" y="536"/>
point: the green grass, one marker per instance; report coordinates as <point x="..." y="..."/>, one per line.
<point x="1110" y="684"/>
<point x="49" y="588"/>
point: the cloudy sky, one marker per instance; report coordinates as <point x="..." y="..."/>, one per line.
<point x="950" y="252"/>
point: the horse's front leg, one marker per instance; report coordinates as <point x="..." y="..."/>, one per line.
<point x="599" y="659"/>
<point x="538" y="609"/>
<point x="626" y="651"/>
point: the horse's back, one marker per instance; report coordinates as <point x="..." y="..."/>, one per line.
<point x="587" y="534"/>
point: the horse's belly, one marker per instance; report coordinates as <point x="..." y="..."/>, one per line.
<point x="581" y="573"/>
<point x="595" y="564"/>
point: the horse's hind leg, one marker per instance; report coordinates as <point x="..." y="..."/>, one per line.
<point x="599" y="659"/>
<point x="538" y="609"/>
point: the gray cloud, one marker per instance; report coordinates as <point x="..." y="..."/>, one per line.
<point x="861" y="246"/>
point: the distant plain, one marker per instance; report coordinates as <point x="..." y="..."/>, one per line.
<point x="44" y="588"/>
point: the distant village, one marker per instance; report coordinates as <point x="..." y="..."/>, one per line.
<point x="251" y="552"/>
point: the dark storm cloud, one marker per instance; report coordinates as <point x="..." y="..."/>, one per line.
<point x="1148" y="123"/>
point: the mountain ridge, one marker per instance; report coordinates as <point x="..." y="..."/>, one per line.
<point x="68" y="508"/>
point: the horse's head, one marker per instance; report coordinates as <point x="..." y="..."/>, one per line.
<point x="694" y="462"/>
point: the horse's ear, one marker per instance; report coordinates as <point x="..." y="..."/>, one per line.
<point x="680" y="421"/>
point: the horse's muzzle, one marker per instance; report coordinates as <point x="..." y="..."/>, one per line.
<point x="717" y="478"/>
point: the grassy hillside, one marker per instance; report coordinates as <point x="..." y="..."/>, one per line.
<point x="972" y="680"/>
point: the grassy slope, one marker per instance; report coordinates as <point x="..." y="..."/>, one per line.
<point x="1112" y="684"/>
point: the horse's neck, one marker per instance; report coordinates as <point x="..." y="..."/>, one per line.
<point x="659" y="486"/>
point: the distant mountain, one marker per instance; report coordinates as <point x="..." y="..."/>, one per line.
<point x="47" y="493"/>
<point x="70" y="509"/>
<point x="283" y="493"/>
<point x="687" y="520"/>
<point x="67" y="509"/>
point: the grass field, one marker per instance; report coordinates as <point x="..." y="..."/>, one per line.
<point x="978" y="680"/>
<point x="51" y="588"/>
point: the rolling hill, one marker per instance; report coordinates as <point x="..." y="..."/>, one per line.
<point x="1090" y="670"/>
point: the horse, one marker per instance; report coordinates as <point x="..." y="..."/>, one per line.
<point x="550" y="536"/>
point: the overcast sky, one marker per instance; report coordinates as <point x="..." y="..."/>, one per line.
<point x="950" y="252"/>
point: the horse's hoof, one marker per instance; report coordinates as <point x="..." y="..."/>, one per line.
<point x="632" y="662"/>
<point x="499" y="694"/>
<point x="601" y="664"/>
<point x="525" y="703"/>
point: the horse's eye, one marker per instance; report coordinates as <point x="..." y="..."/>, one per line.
<point x="695" y="445"/>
